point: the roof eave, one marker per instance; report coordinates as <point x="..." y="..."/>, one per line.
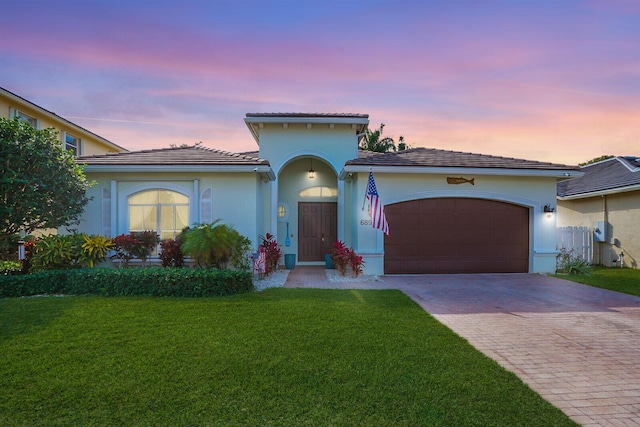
<point x="56" y="118"/>
<point x="254" y="123"/>
<point x="264" y="170"/>
<point x="618" y="190"/>
<point x="550" y="173"/>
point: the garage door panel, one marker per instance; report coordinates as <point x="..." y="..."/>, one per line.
<point x="457" y="235"/>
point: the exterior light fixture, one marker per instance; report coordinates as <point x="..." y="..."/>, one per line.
<point x="312" y="173"/>
<point x="549" y="210"/>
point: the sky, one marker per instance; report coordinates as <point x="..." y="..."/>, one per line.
<point x="546" y="80"/>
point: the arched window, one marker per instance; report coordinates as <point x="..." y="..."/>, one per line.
<point x="164" y="211"/>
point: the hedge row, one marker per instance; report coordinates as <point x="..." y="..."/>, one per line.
<point x="177" y="282"/>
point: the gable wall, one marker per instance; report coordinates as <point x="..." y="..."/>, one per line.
<point x="532" y="192"/>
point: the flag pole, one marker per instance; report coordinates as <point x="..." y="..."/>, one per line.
<point x="365" y="191"/>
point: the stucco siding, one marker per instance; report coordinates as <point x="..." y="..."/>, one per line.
<point x="621" y="211"/>
<point x="234" y="198"/>
<point x="530" y="192"/>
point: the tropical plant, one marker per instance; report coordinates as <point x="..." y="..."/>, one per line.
<point x="568" y="263"/>
<point x="340" y="254"/>
<point x="41" y="186"/>
<point x="148" y="242"/>
<point x="29" y="246"/>
<point x="344" y="256"/>
<point x="125" y="247"/>
<point x="211" y="245"/>
<point x="273" y="253"/>
<point x="171" y="252"/>
<point x="9" y="267"/>
<point x="241" y="254"/>
<point x="357" y="263"/>
<point x="57" y="252"/>
<point x="373" y="141"/>
<point x="94" y="249"/>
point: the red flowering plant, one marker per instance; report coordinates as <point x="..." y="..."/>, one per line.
<point x="125" y="246"/>
<point x="171" y="254"/>
<point x="273" y="253"/>
<point x="343" y="256"/>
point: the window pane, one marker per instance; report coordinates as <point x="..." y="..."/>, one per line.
<point x="167" y="235"/>
<point x="144" y="198"/>
<point x="150" y="219"/>
<point x="26" y="118"/>
<point x="72" y="144"/>
<point x="182" y="217"/>
<point x="135" y="218"/>
<point x="171" y="197"/>
<point x="167" y="218"/>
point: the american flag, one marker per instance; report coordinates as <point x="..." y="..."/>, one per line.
<point x="378" y="220"/>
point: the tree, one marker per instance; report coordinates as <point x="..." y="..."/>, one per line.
<point x="40" y="184"/>
<point x="596" y="160"/>
<point x="373" y="141"/>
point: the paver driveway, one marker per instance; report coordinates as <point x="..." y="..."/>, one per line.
<point x="576" y="345"/>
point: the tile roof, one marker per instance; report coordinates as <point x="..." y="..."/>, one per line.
<point x="183" y="156"/>
<point x="612" y="174"/>
<point x="324" y="115"/>
<point x="431" y="157"/>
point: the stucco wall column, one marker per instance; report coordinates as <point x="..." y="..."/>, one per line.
<point x="114" y="208"/>
<point x="341" y="210"/>
<point x="274" y="207"/>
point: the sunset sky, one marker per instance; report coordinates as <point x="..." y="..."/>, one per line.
<point x="555" y="80"/>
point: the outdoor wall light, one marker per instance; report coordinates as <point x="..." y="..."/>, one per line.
<point x="312" y="173"/>
<point x="549" y="210"/>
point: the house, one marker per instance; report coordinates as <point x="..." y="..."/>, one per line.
<point x="448" y="212"/>
<point x="73" y="137"/>
<point x="607" y="199"/>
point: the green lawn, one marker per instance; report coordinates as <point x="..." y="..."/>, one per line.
<point x="626" y="280"/>
<point x="279" y="357"/>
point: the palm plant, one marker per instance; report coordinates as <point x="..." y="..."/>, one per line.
<point x="373" y="141"/>
<point x="211" y="245"/>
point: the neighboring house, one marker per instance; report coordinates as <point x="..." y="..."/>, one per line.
<point x="607" y="199"/>
<point x="73" y="137"/>
<point x="448" y="212"/>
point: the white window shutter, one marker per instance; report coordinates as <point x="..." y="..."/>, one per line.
<point x="106" y="212"/>
<point x="206" y="206"/>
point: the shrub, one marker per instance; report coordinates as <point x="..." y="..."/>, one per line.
<point x="568" y="263"/>
<point x="29" y="246"/>
<point x="273" y="253"/>
<point x="57" y="252"/>
<point x="94" y="249"/>
<point x="176" y="282"/>
<point x="147" y="243"/>
<point x="125" y="246"/>
<point x="137" y="244"/>
<point x="10" y="267"/>
<point x="171" y="253"/>
<point x="214" y="245"/>
<point x="343" y="256"/>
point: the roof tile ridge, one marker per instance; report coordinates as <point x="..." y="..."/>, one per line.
<point x="626" y="164"/>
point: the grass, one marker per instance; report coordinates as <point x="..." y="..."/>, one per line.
<point x="279" y="357"/>
<point x="626" y="280"/>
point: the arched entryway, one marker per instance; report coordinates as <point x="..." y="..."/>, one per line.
<point x="456" y="235"/>
<point x="308" y="192"/>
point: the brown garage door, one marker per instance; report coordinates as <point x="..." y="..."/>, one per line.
<point x="456" y="235"/>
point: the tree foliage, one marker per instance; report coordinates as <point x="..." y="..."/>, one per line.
<point x="596" y="160"/>
<point x="373" y="141"/>
<point x="40" y="184"/>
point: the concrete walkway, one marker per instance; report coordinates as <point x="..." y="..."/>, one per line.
<point x="577" y="346"/>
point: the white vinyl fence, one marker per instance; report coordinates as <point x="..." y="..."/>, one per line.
<point x="578" y="240"/>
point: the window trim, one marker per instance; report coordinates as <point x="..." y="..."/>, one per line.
<point x="123" y="201"/>
<point x="78" y="150"/>
<point x="14" y="112"/>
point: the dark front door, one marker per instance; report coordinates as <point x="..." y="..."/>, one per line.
<point x="317" y="229"/>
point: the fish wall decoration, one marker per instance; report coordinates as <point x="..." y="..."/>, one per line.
<point x="460" y="180"/>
